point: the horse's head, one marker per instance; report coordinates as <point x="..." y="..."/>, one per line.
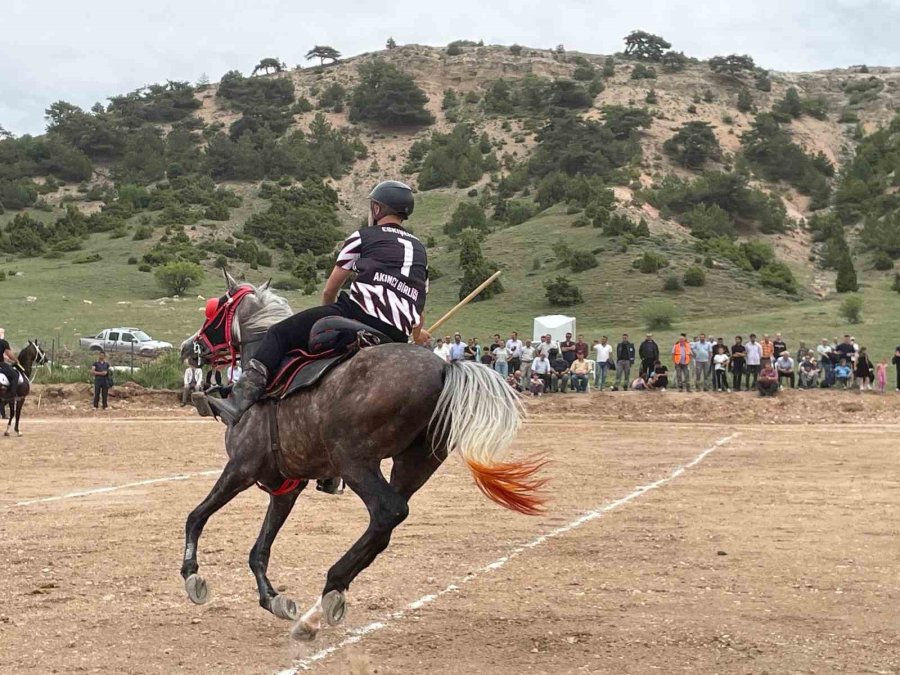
<point x="40" y="356"/>
<point x="243" y="314"/>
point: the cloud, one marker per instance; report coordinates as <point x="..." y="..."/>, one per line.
<point x="86" y="52"/>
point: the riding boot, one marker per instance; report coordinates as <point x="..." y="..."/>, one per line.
<point x="330" y="485"/>
<point x="248" y="390"/>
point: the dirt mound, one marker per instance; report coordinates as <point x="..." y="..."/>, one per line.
<point x="124" y="400"/>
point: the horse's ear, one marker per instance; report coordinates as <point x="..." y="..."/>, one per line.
<point x="265" y="286"/>
<point x="229" y="280"/>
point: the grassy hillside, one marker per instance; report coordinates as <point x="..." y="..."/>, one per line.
<point x="307" y="115"/>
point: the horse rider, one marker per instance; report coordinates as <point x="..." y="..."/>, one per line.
<point x="388" y="294"/>
<point x="12" y="374"/>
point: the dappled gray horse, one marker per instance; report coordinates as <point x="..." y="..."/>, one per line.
<point x="395" y="401"/>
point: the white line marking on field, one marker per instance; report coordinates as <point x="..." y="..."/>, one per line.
<point x="114" y="488"/>
<point x="357" y="634"/>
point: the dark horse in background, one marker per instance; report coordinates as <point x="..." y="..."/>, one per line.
<point x="395" y="401"/>
<point x="29" y="357"/>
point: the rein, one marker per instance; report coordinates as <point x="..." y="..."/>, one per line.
<point x="217" y="335"/>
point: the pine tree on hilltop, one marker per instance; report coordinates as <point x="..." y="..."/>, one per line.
<point x="268" y="64"/>
<point x="645" y="46"/>
<point x="323" y="52"/>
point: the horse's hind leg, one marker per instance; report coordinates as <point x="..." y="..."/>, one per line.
<point x="19" y="405"/>
<point x="279" y="510"/>
<point x="387" y="509"/>
<point x="235" y="478"/>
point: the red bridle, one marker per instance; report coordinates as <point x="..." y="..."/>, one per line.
<point x="216" y="334"/>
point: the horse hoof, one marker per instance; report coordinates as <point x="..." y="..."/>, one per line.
<point x="197" y="590"/>
<point x="283" y="607"/>
<point x="18" y="434"/>
<point x="6" y="433"/>
<point x="334" y="606"/>
<point x="303" y="632"/>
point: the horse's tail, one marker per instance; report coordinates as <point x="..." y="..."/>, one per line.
<point x="478" y="415"/>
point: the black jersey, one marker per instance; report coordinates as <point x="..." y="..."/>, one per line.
<point x="391" y="268"/>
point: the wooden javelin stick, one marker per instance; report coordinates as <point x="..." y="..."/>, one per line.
<point x="462" y="303"/>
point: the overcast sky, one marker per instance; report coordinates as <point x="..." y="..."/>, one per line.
<point x="84" y="52"/>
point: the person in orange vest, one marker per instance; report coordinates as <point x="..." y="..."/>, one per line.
<point x="681" y="356"/>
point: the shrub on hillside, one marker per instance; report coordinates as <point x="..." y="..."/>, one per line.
<point x="693" y="145"/>
<point x="562" y="293"/>
<point x="177" y="277"/>
<point x="896" y="285"/>
<point x="672" y="283"/>
<point x="694" y="276"/>
<point x="302" y="218"/>
<point x="579" y="261"/>
<point x="846" y="275"/>
<point x="642" y="72"/>
<point x="778" y="275"/>
<point x="658" y="314"/>
<point x="466" y="215"/>
<point x="333" y="97"/>
<point x="709" y="220"/>
<point x="460" y="157"/>
<point x="475" y="267"/>
<point x="387" y="96"/>
<point x="650" y="263"/>
<point x="882" y="261"/>
<point x="851" y="309"/>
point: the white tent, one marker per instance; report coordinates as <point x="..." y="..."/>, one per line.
<point x="554" y="325"/>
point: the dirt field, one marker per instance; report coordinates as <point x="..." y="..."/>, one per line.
<point x="774" y="550"/>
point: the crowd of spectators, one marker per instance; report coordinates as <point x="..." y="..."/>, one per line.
<point x="765" y="365"/>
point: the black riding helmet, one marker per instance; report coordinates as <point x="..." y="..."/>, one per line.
<point x="396" y="196"/>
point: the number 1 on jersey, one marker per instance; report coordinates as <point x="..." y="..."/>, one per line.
<point x="407" y="256"/>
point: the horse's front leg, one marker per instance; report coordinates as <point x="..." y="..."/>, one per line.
<point x="387" y="509"/>
<point x="237" y="476"/>
<point x="279" y="509"/>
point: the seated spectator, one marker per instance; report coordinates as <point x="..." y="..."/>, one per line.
<point x="581" y="370"/>
<point x="541" y="368"/>
<point x="842" y="374"/>
<point x="514" y="380"/>
<point x="638" y="384"/>
<point x="537" y="384"/>
<point x="785" y="367"/>
<point x="767" y="383"/>
<point x="559" y="372"/>
<point x="809" y="372"/>
<point x="659" y="380"/>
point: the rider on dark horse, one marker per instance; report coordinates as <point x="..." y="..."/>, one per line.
<point x="12" y="374"/>
<point x="388" y="294"/>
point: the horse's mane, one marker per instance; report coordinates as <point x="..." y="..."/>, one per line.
<point x="272" y="308"/>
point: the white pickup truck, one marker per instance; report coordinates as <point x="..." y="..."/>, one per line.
<point x="125" y="340"/>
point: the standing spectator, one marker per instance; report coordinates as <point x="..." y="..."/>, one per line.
<point x="233" y="373"/>
<point x="842" y="374"/>
<point x="541" y="368"/>
<point x="738" y="362"/>
<point x="443" y="349"/>
<point x="809" y="372"/>
<point x="824" y="350"/>
<point x="193" y="381"/>
<point x="720" y="368"/>
<point x="881" y="376"/>
<point x="457" y="349"/>
<point x="649" y="353"/>
<point x="527" y="359"/>
<point x="845" y="349"/>
<point x="567" y="349"/>
<point x="702" y="351"/>
<point x="544" y="346"/>
<point x="581" y="347"/>
<point x="514" y="347"/>
<point x="602" y="355"/>
<point x="501" y="359"/>
<point x="487" y="359"/>
<point x="767" y="384"/>
<point x="768" y="348"/>
<point x="470" y="353"/>
<point x="785" y="367"/>
<point x="779" y="345"/>
<point x="581" y="371"/>
<point x="624" y="360"/>
<point x="497" y="342"/>
<point x="559" y="372"/>
<point x="865" y="371"/>
<point x="753" y="350"/>
<point x="681" y="357"/>
<point x="102" y="380"/>
<point x="802" y="351"/>
<point x="896" y="362"/>
<point x="477" y="348"/>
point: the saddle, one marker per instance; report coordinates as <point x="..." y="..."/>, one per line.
<point x="332" y="341"/>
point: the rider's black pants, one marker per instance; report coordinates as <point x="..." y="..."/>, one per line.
<point x="293" y="332"/>
<point x="11" y="374"/>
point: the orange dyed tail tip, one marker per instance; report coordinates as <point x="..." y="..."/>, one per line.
<point x="513" y="485"/>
